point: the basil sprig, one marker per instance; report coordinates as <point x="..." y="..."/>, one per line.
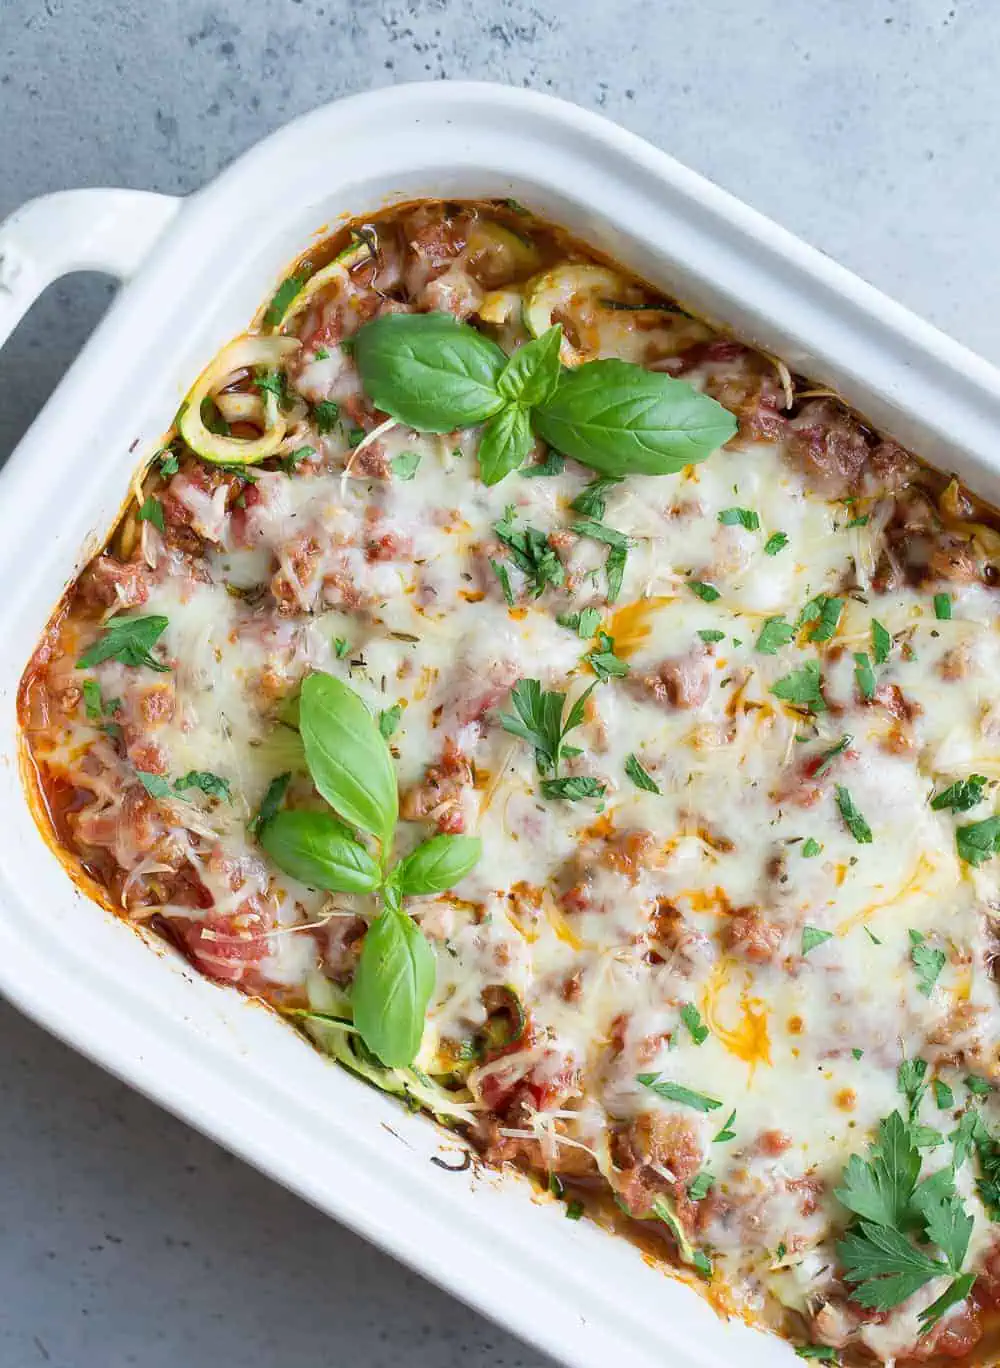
<point x="436" y="374"/>
<point x="351" y="766"/>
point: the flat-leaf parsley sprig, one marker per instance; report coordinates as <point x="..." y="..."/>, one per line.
<point x="351" y="767"/>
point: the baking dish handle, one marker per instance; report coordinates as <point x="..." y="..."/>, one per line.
<point x="75" y="230"/>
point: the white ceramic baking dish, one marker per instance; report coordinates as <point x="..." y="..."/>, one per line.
<point x="197" y="270"/>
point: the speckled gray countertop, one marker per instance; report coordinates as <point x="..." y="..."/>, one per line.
<point x="869" y="128"/>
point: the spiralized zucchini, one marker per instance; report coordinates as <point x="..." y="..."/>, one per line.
<point x="353" y="255"/>
<point x="246" y="353"/>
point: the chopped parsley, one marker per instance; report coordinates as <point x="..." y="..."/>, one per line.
<point x="213" y="785"/>
<point x="283" y="297"/>
<point x="584" y="623"/>
<point x="810" y="848"/>
<point x="864" y="675"/>
<point x="503" y="576"/>
<point x="942" y="607"/>
<point x="152" y="512"/>
<point x="813" y="936"/>
<point x="857" y="1052"/>
<point x="881" y="643"/>
<point x="604" y="662"/>
<point x="860" y="521"/>
<point x="776" y="542"/>
<point x="572" y="788"/>
<point x="574" y="1210"/>
<point x="828" y="756"/>
<point x="726" y="1133"/>
<point x="302" y="453"/>
<point x="825" y="613"/>
<point x="614" y="568"/>
<point x="325" y="415"/>
<point x="740" y="517"/>
<point x="962" y="795"/>
<point x="710" y="635"/>
<point x="691" y="1018"/>
<point x="706" y="592"/>
<point x="926" y="961"/>
<point x="979" y="1086"/>
<point x="979" y="841"/>
<point x="93" y="700"/>
<point x="823" y="1352"/>
<point x="341" y="647"/>
<point x="853" y="819"/>
<point x="802" y="687"/>
<point x="388" y="720"/>
<point x="271" y="802"/>
<point x="169" y="462"/>
<point x="154" y="784"/>
<point x="943" y="1095"/>
<point x="552" y="465"/>
<point x="639" y="776"/>
<point x="676" y="1092"/>
<point x="911" y="1079"/>
<point x="700" y="1185"/>
<point x="404" y="466"/>
<point x="591" y="501"/>
<point x="774" y="634"/>
<point x="532" y="554"/>
<point x="128" y="640"/>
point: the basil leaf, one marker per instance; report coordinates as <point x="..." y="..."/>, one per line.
<point x="438" y="864"/>
<point x="591" y="501"/>
<point x="429" y="371"/>
<point x="93" y="700"/>
<point x="319" y="851"/>
<point x="853" y="819"/>
<point x="532" y="373"/>
<point x="392" y="987"/>
<point x="962" y="795"/>
<point x="706" y="592"/>
<point x="776" y="542"/>
<point x="620" y="419"/>
<point x="554" y="464"/>
<point x="813" y="936"/>
<point x="614" y="569"/>
<point x="507" y="438"/>
<point x="347" y="756"/>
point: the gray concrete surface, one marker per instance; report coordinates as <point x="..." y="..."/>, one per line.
<point x="868" y="127"/>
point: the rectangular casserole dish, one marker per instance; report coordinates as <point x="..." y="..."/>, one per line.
<point x="201" y="268"/>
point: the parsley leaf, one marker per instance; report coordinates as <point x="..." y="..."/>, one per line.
<point x="740" y="517"/>
<point x="813" y="936"/>
<point x="880" y="1189"/>
<point x="590" y="501"/>
<point x="825" y="612"/>
<point x="553" y="464"/>
<point x="404" y="466"/>
<point x="503" y="576"/>
<point x="271" y="802"/>
<point x="956" y="1292"/>
<point x="979" y="841"/>
<point x="154" y="784"/>
<point x="802" y="687"/>
<point x="388" y="720"/>
<point x="776" y="542"/>
<point x="532" y="554"/>
<point x="927" y="962"/>
<point x="853" y="819"/>
<point x="709" y="635"/>
<point x="538" y="719"/>
<point x="942" y="607"/>
<point x="691" y="1018"/>
<point x="604" y="662"/>
<point x="911" y="1080"/>
<point x="325" y="415"/>
<point x="864" y="675"/>
<point x="881" y="643"/>
<point x="776" y="632"/>
<point x="727" y="1132"/>
<point x="828" y="756"/>
<point x="128" y="640"/>
<point x="884" y="1266"/>
<point x="211" y="784"/>
<point x="614" y="568"/>
<point x="810" y="848"/>
<point x="152" y="512"/>
<point x="707" y="592"/>
<point x="639" y="776"/>
<point x="676" y="1092"/>
<point x="700" y="1185"/>
<point x="585" y="623"/>
<point x="962" y="795"/>
<point x="572" y="787"/>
